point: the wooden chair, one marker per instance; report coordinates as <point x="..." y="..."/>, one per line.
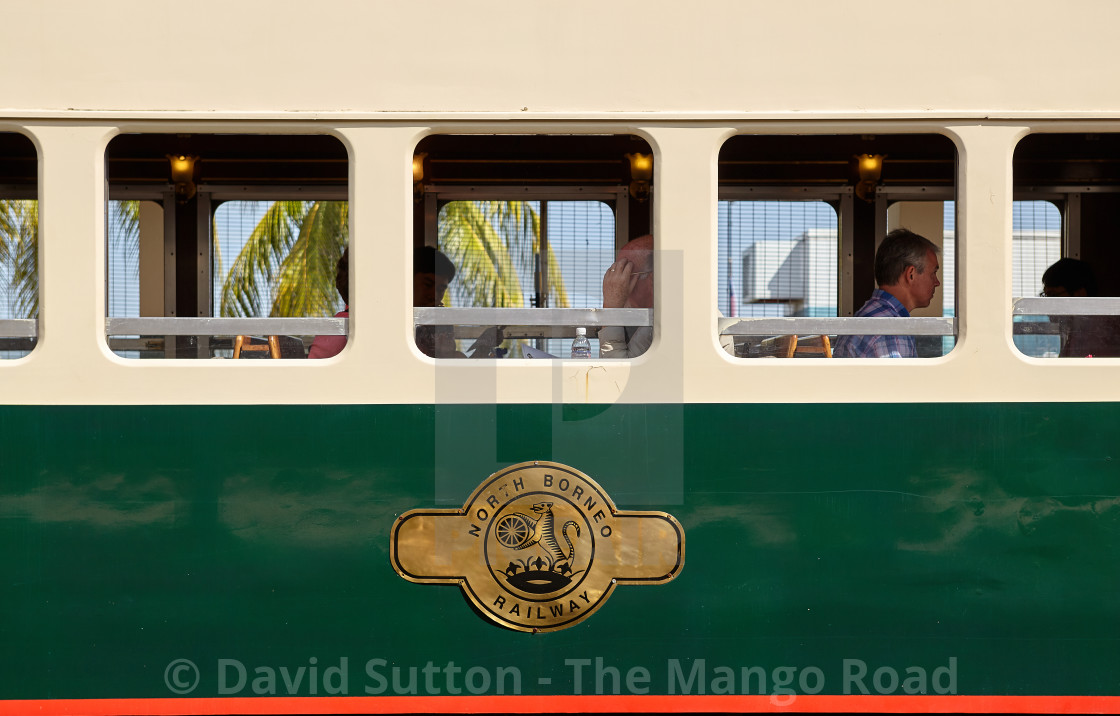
<point x="778" y="347"/>
<point x="792" y="347"/>
<point x="245" y="343"/>
<point x="814" y="347"/>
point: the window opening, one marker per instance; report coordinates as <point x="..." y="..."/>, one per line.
<point x="1067" y="192"/>
<point x="801" y="219"/>
<point x="525" y="227"/>
<point x="19" y="246"/>
<point x="205" y="229"/>
<point x="19" y="275"/>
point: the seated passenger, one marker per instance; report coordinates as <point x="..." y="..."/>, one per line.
<point x="906" y="270"/>
<point x="328" y="346"/>
<point x="1068" y="277"/>
<point x="628" y="283"/>
<point x="1082" y="336"/>
<point x="432" y="272"/>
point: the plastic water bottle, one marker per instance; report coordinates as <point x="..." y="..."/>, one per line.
<point x="581" y="347"/>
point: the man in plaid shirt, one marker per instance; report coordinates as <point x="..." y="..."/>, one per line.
<point x="906" y="270"/>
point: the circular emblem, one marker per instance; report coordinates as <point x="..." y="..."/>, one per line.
<point x="539" y="546"/>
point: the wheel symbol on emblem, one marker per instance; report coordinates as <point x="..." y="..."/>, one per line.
<point x="513" y="530"/>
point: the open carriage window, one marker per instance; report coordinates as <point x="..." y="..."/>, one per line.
<point x="1067" y="200"/>
<point x="809" y="229"/>
<point x="226" y="246"/>
<point x="515" y="240"/>
<point x="19" y="246"/>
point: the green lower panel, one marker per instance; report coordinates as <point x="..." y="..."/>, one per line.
<point x="150" y="551"/>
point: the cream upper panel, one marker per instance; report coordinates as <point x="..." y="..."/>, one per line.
<point x="72" y="364"/>
<point x="736" y="57"/>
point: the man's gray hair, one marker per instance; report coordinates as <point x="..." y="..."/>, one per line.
<point x="901" y="248"/>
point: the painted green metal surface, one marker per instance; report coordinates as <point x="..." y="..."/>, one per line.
<point x="982" y="540"/>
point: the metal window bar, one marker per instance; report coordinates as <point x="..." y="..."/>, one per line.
<point x="208" y="326"/>
<point x="19" y="328"/>
<point x="531" y="322"/>
<point x="570" y="317"/>
<point x="841" y="326"/>
<point x="1067" y="306"/>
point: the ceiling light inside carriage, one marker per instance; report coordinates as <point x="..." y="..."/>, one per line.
<point x="182" y="175"/>
<point x="418" y="173"/>
<point x="641" y="172"/>
<point x="870" y="169"/>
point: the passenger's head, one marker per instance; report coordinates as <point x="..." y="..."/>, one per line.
<point x="901" y="248"/>
<point x="342" y="276"/>
<point x="431" y="274"/>
<point x="1069" y="277"/>
<point x="906" y="266"/>
<point x="640" y="252"/>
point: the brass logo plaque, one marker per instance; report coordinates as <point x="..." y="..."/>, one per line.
<point x="539" y="546"/>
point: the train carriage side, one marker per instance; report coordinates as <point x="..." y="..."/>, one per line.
<point x="498" y="526"/>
